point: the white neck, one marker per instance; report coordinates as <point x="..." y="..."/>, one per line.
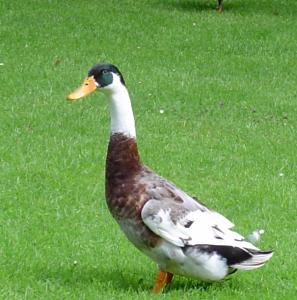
<point x="122" y="118"/>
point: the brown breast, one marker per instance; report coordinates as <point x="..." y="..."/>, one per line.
<point x="125" y="194"/>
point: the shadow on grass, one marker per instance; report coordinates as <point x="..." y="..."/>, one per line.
<point x="80" y="277"/>
<point x="84" y="276"/>
<point x="182" y="283"/>
<point x="189" y="5"/>
<point x="238" y="7"/>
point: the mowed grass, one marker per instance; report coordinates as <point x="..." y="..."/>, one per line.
<point x="227" y="85"/>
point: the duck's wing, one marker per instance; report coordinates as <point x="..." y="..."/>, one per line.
<point x="181" y="220"/>
<point x="158" y="188"/>
<point x="182" y="227"/>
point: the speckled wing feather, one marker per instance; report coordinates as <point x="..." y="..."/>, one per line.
<point x="178" y="218"/>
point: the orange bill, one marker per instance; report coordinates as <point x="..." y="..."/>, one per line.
<point x="85" y="89"/>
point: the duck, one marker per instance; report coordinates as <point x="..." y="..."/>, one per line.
<point x="220" y="6"/>
<point x="178" y="232"/>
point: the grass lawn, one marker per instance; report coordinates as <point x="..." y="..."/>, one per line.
<point x="227" y="85"/>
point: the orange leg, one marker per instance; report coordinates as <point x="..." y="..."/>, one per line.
<point x="163" y="278"/>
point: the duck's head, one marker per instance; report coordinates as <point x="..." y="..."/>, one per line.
<point x="104" y="77"/>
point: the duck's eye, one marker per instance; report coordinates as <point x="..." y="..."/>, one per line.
<point x="106" y="78"/>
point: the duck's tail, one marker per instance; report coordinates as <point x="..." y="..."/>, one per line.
<point x="256" y="260"/>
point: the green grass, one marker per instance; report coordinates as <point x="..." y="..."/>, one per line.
<point x="227" y="84"/>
